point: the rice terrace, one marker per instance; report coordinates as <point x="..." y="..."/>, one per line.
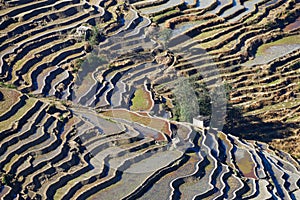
<point x="149" y="99"/>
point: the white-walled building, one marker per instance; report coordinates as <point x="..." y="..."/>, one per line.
<point x="201" y="121"/>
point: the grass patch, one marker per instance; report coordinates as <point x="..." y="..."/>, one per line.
<point x="141" y="100"/>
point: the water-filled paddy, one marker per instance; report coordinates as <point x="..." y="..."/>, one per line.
<point x="161" y="7"/>
<point x="182" y="27"/>
<point x="293" y="25"/>
<point x="189" y="2"/>
<point x="249" y="7"/>
<point x="270" y="51"/>
<point x="204" y="3"/>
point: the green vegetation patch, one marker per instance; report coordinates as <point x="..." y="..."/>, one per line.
<point x="189" y="102"/>
<point x="141" y="100"/>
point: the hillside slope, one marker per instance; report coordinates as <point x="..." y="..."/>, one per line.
<point x="96" y="99"/>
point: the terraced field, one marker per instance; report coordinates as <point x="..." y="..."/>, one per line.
<point x="97" y="99"/>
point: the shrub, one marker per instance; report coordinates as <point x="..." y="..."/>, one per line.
<point x="61" y="118"/>
<point x="77" y="65"/>
<point x="94" y="60"/>
<point x="8" y="85"/>
<point x="165" y="35"/>
<point x="5" y="179"/>
<point x="65" y="103"/>
<point x="31" y="95"/>
<point x="95" y="37"/>
<point x="195" y="99"/>
<point x="186" y="105"/>
<point x="87" y="47"/>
